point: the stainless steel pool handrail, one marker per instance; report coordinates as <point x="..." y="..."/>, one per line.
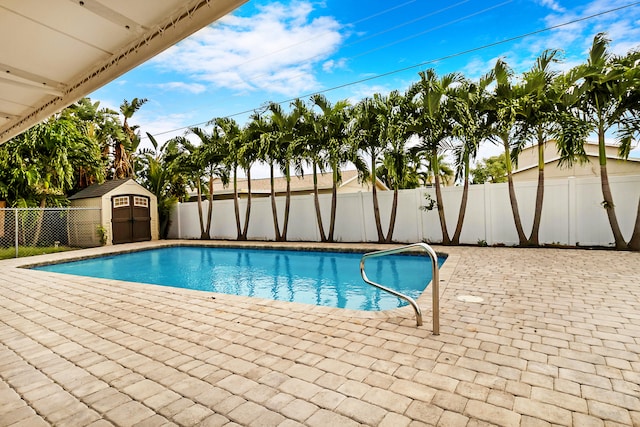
<point x="435" y="281"/>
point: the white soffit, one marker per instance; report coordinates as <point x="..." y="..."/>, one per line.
<point x="54" y="52"/>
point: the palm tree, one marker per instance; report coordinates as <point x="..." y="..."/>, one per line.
<point x="211" y="154"/>
<point x="161" y="176"/>
<point x="364" y="130"/>
<point x="286" y="151"/>
<point x="536" y="108"/>
<point x="392" y="114"/>
<point x="504" y="104"/>
<point x="417" y="172"/>
<point x="446" y="173"/>
<point x="269" y="154"/>
<point x="608" y="98"/>
<point x="538" y="119"/>
<point x="434" y="108"/>
<point x="191" y="165"/>
<point x="314" y="146"/>
<point x="203" y="162"/>
<point x="249" y="152"/>
<point x="472" y="127"/>
<point x="329" y="138"/>
<point x="232" y="137"/>
<point x="126" y="144"/>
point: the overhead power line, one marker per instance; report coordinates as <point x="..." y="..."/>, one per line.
<point x="422" y="64"/>
<point x="362" y="39"/>
<point x="273" y="52"/>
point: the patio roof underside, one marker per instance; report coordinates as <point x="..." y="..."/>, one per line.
<point x="55" y="52"/>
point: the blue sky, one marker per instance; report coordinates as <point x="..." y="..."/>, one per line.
<point x="278" y="50"/>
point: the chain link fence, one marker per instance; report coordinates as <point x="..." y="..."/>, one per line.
<point x="34" y="231"/>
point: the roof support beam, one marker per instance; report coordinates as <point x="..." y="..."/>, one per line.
<point x="35" y="80"/>
<point x="110" y="15"/>
<point x="5" y="115"/>
<point x="41" y="87"/>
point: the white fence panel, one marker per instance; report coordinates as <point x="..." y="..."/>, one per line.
<point x="626" y="192"/>
<point x="500" y="220"/>
<point x="325" y="210"/>
<point x="350" y="218"/>
<point x="223" y="225"/>
<point x="407" y="227"/>
<point x="572" y="214"/>
<point x="261" y="219"/>
<point x="185" y="223"/>
<point x="591" y="222"/>
<point x="473" y="228"/>
<point x="554" y="224"/>
<point x="430" y="224"/>
<point x="368" y="217"/>
<point x="303" y="224"/>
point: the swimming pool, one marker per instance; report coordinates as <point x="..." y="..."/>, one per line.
<point x="321" y="278"/>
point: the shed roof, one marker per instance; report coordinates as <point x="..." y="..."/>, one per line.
<point x="99" y="190"/>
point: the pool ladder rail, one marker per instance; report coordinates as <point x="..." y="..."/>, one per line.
<point x="435" y="281"/>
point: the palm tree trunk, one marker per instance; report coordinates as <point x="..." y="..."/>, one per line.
<point x="248" y="209"/>
<point x="287" y="205"/>
<point x="316" y="201"/>
<point x="236" y="205"/>
<point x="522" y="239"/>
<point x="334" y="202"/>
<point x="463" y="207"/>
<point x="392" y="220"/>
<point x="436" y="178"/>
<point x="210" y="209"/>
<point x="534" y="239"/>
<point x="200" y="216"/>
<point x="610" y="209"/>
<point x="606" y="193"/>
<point x="376" y="206"/>
<point x="634" y="243"/>
<point x="274" y="209"/>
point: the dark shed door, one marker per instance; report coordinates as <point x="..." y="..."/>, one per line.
<point x="130" y="219"/>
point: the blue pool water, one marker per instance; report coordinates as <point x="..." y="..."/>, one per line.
<point x="321" y="278"/>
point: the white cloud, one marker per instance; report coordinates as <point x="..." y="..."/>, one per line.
<point x="551" y="4"/>
<point x="194" y="88"/>
<point x="275" y="50"/>
<point x="478" y="67"/>
<point x="620" y="26"/>
<point x="162" y="126"/>
<point x="361" y="91"/>
<point x="574" y="40"/>
<point x="331" y="65"/>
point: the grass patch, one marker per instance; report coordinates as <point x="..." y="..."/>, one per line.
<point x="23" y="251"/>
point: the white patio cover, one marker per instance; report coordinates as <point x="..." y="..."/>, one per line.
<point x="54" y="52"/>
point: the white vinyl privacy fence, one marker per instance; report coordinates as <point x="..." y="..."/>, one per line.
<point x="572" y="214"/>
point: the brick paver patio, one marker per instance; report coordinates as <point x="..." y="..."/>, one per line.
<point x="555" y="341"/>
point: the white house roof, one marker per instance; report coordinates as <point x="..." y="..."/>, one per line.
<point x="298" y="183"/>
<point x="54" y="52"/>
<point x="551" y="155"/>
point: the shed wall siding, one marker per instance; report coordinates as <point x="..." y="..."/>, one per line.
<point x="104" y="202"/>
<point x="131" y="187"/>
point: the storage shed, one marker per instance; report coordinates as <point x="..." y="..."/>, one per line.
<point x="129" y="212"/>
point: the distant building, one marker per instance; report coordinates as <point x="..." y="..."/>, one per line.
<point x="527" y="166"/>
<point x="300" y="185"/>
